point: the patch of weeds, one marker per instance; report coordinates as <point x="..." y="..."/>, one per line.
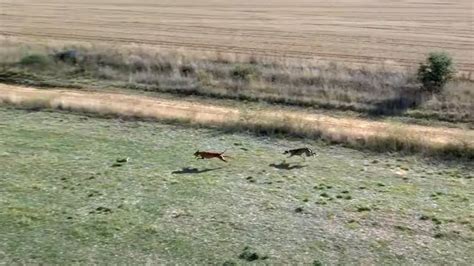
<point x="381" y="184"/>
<point x="353" y="224"/>
<point x="244" y="73"/>
<point x="325" y="195"/>
<point x="434" y="196"/>
<point x="250" y="255"/>
<point x="250" y="179"/>
<point x="36" y="60"/>
<point x="229" y="263"/>
<point x="299" y="210"/>
<point x="101" y="210"/>
<point x="436" y="220"/>
<point x="339" y="197"/>
<point x="450" y="235"/>
<point x="363" y="209"/>
<point x="317" y="263"/>
<point x="322" y="187"/>
<point x="403" y="228"/>
<point x="187" y="70"/>
<point x="362" y="187"/>
<point x="348" y="197"/>
<point x="151" y="229"/>
<point x="424" y="217"/>
<point x="345" y="192"/>
<point x="93" y="194"/>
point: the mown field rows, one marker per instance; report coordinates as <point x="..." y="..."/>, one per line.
<point x="64" y="199"/>
<point x="364" y="31"/>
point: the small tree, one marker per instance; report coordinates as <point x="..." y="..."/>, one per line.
<point x="436" y="71"/>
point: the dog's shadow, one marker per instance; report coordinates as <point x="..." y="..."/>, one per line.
<point x="287" y="166"/>
<point x="191" y="170"/>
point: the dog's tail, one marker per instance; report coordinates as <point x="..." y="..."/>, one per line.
<point x="223" y="152"/>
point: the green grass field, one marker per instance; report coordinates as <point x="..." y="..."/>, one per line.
<point x="62" y="199"/>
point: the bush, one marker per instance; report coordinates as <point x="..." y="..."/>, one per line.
<point x="68" y="56"/>
<point x="244" y="72"/>
<point x="436" y="71"/>
<point x="36" y="60"/>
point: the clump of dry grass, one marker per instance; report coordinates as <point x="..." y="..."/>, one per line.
<point x="359" y="133"/>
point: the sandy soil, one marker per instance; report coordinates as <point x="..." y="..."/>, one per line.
<point x="397" y="33"/>
<point x="141" y="106"/>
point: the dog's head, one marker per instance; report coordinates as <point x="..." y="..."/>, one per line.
<point x="286" y="152"/>
<point x="196" y="153"/>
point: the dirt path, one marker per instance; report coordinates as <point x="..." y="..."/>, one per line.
<point x="148" y="107"/>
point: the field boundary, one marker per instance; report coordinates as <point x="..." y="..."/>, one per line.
<point x="375" y="135"/>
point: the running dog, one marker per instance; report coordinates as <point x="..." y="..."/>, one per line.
<point x="209" y="155"/>
<point x="300" y="152"/>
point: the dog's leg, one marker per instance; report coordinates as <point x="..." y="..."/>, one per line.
<point x="222" y="158"/>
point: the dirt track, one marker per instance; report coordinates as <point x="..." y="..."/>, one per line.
<point x="141" y="106"/>
<point x="350" y="31"/>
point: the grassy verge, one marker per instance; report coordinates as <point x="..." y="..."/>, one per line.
<point x="65" y="200"/>
<point x="356" y="133"/>
<point x="370" y="91"/>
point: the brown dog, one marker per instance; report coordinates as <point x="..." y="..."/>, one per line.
<point x="209" y="155"/>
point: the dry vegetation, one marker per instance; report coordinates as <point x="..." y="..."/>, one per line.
<point x="368" y="90"/>
<point x="363" y="32"/>
<point x="353" y="132"/>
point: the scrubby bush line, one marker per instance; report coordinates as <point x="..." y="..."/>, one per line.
<point x="379" y="91"/>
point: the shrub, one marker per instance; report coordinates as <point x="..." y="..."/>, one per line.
<point x="187" y="70"/>
<point x="68" y="56"/>
<point x="244" y="72"/>
<point x="436" y="71"/>
<point x="36" y="60"/>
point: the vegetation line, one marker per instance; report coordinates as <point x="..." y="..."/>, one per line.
<point x="371" y="91"/>
<point x="379" y="136"/>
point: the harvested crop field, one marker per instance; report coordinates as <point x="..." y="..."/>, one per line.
<point x="397" y="33"/>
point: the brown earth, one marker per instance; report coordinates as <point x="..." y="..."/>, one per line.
<point x="148" y="107"/>
<point x="398" y="33"/>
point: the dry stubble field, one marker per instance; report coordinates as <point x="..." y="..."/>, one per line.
<point x="397" y="33"/>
